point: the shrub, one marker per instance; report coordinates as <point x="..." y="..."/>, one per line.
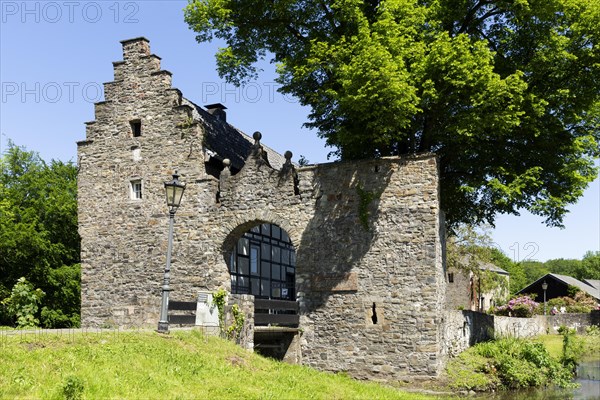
<point x="521" y="306"/>
<point x="592" y="330"/>
<point x="572" y="348"/>
<point x="507" y="363"/>
<point x="23" y="303"/>
<point x="73" y="388"/>
<point x="580" y="303"/>
<point x="572" y="290"/>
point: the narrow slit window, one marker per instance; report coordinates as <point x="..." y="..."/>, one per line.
<point x="451" y="277"/>
<point x="136" y="189"/>
<point x="136" y="128"/>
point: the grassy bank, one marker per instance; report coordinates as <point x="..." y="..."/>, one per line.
<point x="510" y="363"/>
<point x="146" y="365"/>
<point x="554" y="343"/>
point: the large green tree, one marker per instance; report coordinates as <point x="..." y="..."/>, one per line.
<point x="589" y="267"/>
<point x="505" y="92"/>
<point x="38" y="233"/>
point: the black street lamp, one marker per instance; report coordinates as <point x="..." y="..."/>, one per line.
<point x="174" y="191"/>
<point x="545" y="287"/>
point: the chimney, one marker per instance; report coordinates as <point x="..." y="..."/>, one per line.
<point x="218" y="110"/>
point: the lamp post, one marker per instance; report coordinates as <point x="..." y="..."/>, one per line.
<point x="174" y="191"/>
<point x="544" y="287"/>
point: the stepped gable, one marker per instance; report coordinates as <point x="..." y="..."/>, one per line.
<point x="138" y="77"/>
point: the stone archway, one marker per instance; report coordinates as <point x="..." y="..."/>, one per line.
<point x="262" y="262"/>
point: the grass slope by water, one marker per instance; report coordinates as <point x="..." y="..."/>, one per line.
<point x="147" y="365"/>
<point x="510" y="363"/>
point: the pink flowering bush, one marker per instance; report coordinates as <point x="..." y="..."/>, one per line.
<point x="521" y="306"/>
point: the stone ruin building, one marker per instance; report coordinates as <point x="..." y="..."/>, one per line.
<point x="356" y="245"/>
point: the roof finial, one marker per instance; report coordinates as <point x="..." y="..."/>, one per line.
<point x="257" y="136"/>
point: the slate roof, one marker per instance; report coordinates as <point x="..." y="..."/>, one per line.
<point x="493" y="268"/>
<point x="223" y="140"/>
<point x="591" y="290"/>
<point x="567" y="280"/>
<point x="593" y="282"/>
<point x="487" y="266"/>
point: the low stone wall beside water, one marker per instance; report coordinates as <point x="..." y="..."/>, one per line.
<point x="574" y="321"/>
<point x="595" y="317"/>
<point x="466" y="328"/>
<point x="519" y="327"/>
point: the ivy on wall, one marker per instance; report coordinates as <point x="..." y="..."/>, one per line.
<point x="365" y="199"/>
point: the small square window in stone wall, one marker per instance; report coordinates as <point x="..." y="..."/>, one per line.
<point x="136" y="189"/>
<point x="136" y="127"/>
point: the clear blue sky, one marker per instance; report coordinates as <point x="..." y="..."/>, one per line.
<point x="55" y="55"/>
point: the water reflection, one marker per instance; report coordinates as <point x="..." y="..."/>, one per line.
<point x="588" y="378"/>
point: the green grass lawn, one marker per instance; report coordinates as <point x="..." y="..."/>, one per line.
<point x="554" y="343"/>
<point x="147" y="365"/>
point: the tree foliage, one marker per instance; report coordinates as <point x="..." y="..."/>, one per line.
<point x="38" y="233"/>
<point x="518" y="278"/>
<point x="586" y="268"/>
<point x="471" y="250"/>
<point x="590" y="266"/>
<point x="23" y="304"/>
<point x="505" y="92"/>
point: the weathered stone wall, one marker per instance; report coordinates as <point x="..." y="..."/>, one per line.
<point x="245" y="302"/>
<point x="459" y="293"/>
<point x="124" y="240"/>
<point x="595" y="317"/>
<point x="465" y="328"/>
<point x="462" y="293"/>
<point x="574" y="321"/>
<point x="369" y="278"/>
<point x="519" y="327"/>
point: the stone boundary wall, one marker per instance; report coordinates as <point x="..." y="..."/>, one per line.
<point x="465" y="328"/>
<point x="246" y="304"/>
<point x="595" y="317"/>
<point x="519" y="327"/>
<point x="575" y="321"/>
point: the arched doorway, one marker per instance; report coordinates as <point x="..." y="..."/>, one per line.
<point x="263" y="264"/>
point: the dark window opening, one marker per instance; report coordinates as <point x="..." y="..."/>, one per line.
<point x="451" y="277"/>
<point x="374" y="316"/>
<point x="136" y="128"/>
<point x="263" y="263"/>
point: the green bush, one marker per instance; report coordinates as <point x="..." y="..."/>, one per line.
<point x="521" y="306"/>
<point x="572" y="348"/>
<point x="22" y="305"/>
<point x="507" y="363"/>
<point x="580" y="303"/>
<point x="62" y="304"/>
<point x="593" y="330"/>
<point x="73" y="388"/>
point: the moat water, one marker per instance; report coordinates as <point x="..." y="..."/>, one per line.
<point x="588" y="378"/>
